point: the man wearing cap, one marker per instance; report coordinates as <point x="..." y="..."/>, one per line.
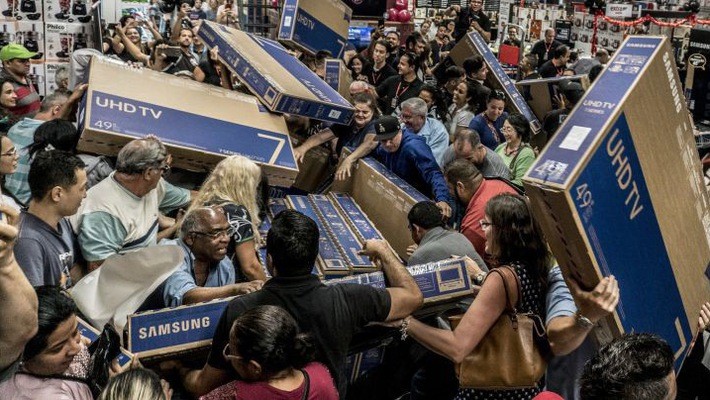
<point x="571" y="92"/>
<point x="16" y="67"/>
<point x="408" y="156"/>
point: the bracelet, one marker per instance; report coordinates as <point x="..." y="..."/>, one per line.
<point x="404" y="327"/>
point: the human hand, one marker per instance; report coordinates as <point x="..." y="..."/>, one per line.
<point x="344" y="170"/>
<point x="704" y="318"/>
<point x="598" y="303"/>
<point x="560" y="101"/>
<point x="8" y="234"/>
<point x="78" y="92"/>
<point x="166" y="389"/>
<point x="298" y="154"/>
<point x="472" y="266"/>
<point x="445" y="208"/>
<point x="115" y="369"/>
<point x="374" y="249"/>
<point x="411" y="249"/>
<point x="247" y="287"/>
<point x="214" y="54"/>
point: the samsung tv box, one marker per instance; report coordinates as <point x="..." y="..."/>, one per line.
<point x="199" y="124"/>
<point x="619" y="191"/>
<point x="314" y="25"/>
<point x="275" y="76"/>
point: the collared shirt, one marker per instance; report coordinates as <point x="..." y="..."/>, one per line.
<point x="475" y="211"/>
<point x="415" y="163"/>
<point x="436" y="136"/>
<point x="22" y="135"/>
<point x="183" y="279"/>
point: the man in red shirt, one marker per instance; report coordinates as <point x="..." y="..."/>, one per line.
<point x="471" y="189"/>
<point x="16" y="67"/>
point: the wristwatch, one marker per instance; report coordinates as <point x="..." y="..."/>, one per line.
<point x="583" y="321"/>
<point x="479" y="278"/>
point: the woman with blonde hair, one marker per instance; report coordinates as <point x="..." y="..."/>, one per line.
<point x="233" y="185"/>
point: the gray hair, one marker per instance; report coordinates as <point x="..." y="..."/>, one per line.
<point x="359" y="86"/>
<point x="194" y="217"/>
<point x="417" y="105"/>
<point x="52" y="100"/>
<point x="140" y="154"/>
<point x="468" y="135"/>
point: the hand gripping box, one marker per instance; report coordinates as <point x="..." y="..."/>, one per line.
<point x="314" y="25"/>
<point x="473" y="44"/>
<point x="619" y="191"/>
<point x="276" y="77"/>
<point x="86" y="330"/>
<point x="174" y="330"/>
<point x="200" y="124"/>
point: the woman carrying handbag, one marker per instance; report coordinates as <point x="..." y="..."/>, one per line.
<point x="511" y="299"/>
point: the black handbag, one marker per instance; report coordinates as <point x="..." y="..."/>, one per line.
<point x="104" y="350"/>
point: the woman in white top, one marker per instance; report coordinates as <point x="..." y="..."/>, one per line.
<point x="9" y="157"/>
<point x="462" y="108"/>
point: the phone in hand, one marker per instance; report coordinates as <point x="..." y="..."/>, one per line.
<point x="170" y="51"/>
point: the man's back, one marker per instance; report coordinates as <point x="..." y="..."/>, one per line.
<point x="439" y="244"/>
<point x="332" y="314"/>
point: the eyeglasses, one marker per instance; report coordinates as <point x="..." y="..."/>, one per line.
<point x="213" y="235"/>
<point x="10" y="152"/>
<point x="485" y="224"/>
<point x="228" y="356"/>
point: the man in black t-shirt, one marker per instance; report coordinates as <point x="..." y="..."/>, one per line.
<point x="381" y="70"/>
<point x="555" y="67"/>
<point x="396" y="89"/>
<point x="543" y="49"/>
<point x="332" y="314"/>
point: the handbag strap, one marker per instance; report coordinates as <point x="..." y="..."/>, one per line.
<point x="307" y="383"/>
<point x="509" y="278"/>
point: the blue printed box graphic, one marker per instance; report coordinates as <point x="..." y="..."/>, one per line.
<point x="308" y="32"/>
<point x="182" y="327"/>
<point x="175" y="127"/>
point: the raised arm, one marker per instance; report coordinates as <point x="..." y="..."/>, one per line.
<point x="18" y="302"/>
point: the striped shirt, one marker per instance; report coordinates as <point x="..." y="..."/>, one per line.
<point x="28" y="101"/>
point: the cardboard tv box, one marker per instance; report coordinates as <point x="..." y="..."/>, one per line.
<point x="200" y="124"/>
<point x="540" y="93"/>
<point x="314" y="25"/>
<point x="275" y="76"/>
<point x="174" y="330"/>
<point x="473" y="44"/>
<point x="385" y="198"/>
<point x="439" y="281"/>
<point x="337" y="75"/>
<point x="619" y="191"/>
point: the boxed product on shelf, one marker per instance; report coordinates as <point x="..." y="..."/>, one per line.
<point x="38" y="78"/>
<point x="78" y="11"/>
<point x="21" y="10"/>
<point x="51" y="83"/>
<point x="61" y="39"/>
<point x="200" y="124"/>
<point x="8" y="30"/>
<point x="314" y="25"/>
<point x="275" y="76"/>
<point x="619" y="191"/>
<point x="31" y="35"/>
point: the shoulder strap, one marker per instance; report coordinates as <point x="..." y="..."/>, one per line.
<point x="510" y="280"/>
<point x="307" y="383"/>
<point x="515" y="157"/>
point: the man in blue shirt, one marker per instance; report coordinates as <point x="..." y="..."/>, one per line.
<point x="206" y="273"/>
<point x="414" y="117"/>
<point x="408" y="156"/>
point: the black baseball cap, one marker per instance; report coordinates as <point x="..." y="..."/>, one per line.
<point x="386" y="127"/>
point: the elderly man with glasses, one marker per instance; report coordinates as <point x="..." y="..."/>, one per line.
<point x="16" y="67"/>
<point x="206" y="273"/>
<point x="121" y="213"/>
